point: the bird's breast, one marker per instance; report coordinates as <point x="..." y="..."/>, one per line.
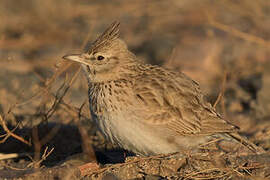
<point x="110" y="105"/>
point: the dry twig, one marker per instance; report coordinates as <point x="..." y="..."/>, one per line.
<point x="61" y="92"/>
<point x="10" y="133"/>
<point x="221" y="94"/>
<point x="36" y="164"/>
<point x="237" y="33"/>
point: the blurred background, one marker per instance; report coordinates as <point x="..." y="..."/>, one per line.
<point x="223" y="45"/>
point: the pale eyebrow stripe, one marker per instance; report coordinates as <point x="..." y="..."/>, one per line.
<point x="114" y="57"/>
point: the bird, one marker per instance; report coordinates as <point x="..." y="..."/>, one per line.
<point x="148" y="109"/>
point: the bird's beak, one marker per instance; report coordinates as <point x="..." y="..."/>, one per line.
<point x="75" y="57"/>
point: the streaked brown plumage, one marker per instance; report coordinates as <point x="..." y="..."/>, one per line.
<point x="148" y="109"/>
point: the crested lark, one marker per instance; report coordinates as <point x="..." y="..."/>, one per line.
<point x="148" y="109"/>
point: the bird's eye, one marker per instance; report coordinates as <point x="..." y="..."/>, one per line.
<point x="100" y="58"/>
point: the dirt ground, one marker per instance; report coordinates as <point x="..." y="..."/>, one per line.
<point x="46" y="131"/>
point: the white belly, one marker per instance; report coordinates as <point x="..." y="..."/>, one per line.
<point x="140" y="138"/>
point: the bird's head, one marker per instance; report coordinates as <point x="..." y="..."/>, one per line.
<point x="107" y="59"/>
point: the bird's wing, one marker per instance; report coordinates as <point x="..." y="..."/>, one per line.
<point x="174" y="101"/>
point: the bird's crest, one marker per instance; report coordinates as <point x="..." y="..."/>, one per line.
<point x="110" y="34"/>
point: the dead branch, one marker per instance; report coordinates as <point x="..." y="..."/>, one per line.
<point x="237" y="33"/>
<point x="61" y="92"/>
<point x="86" y="143"/>
<point x="221" y="94"/>
<point x="10" y="133"/>
<point x="46" y="153"/>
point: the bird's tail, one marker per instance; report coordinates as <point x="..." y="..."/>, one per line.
<point x="251" y="146"/>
